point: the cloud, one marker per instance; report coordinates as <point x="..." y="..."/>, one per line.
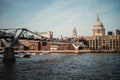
<point x="61" y="16"/>
<point x="56" y="16"/>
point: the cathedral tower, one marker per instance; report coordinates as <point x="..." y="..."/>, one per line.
<point x="98" y="28"/>
<point x="75" y="32"/>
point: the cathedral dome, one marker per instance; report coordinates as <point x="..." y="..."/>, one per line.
<point x="98" y="23"/>
<point x="98" y="29"/>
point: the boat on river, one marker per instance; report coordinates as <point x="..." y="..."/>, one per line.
<point x="17" y="55"/>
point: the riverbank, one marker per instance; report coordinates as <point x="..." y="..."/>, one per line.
<point x="72" y="51"/>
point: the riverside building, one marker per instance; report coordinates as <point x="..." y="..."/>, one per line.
<point x="97" y="42"/>
<point x="48" y="34"/>
<point x="101" y="42"/>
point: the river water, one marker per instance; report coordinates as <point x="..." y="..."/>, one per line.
<point x="87" y="66"/>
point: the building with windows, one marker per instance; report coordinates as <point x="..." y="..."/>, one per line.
<point x="117" y="32"/>
<point x="48" y="34"/>
<point x="100" y="41"/>
<point x="111" y="42"/>
<point x="97" y="42"/>
<point x="110" y="33"/>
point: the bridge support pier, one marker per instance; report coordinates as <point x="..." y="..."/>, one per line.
<point x="77" y="51"/>
<point x="9" y="55"/>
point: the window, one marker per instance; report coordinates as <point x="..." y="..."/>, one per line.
<point x="98" y="31"/>
<point x="44" y="43"/>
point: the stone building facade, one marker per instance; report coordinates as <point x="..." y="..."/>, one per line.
<point x="100" y="41"/>
<point x="111" y="42"/>
<point x="98" y="28"/>
<point x="48" y="34"/>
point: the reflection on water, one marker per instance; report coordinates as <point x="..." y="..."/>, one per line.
<point x="88" y="66"/>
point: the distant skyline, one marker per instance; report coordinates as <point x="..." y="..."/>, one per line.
<point x="60" y="16"/>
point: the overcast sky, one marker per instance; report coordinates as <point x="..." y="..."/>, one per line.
<point x="59" y="16"/>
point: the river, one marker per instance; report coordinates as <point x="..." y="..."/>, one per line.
<point x="56" y="66"/>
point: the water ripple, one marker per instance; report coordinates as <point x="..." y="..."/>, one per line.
<point x="89" y="66"/>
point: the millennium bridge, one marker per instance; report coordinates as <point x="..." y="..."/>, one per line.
<point x="9" y="38"/>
